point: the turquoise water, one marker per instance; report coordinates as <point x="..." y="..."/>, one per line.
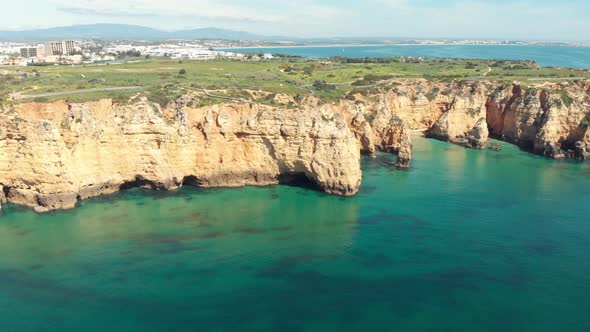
<point x="557" y="56"/>
<point x="464" y="241"/>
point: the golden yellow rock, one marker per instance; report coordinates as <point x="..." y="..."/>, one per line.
<point x="54" y="154"/>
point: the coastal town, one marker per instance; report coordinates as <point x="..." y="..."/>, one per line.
<point x="76" y="52"/>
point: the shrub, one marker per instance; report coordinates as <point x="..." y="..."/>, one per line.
<point x="159" y="97"/>
<point x="432" y="94"/>
<point x="322" y="85"/>
<point x="566" y="98"/>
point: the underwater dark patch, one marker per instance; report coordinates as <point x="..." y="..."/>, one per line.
<point x="251" y="230"/>
<point x="280" y="228"/>
<point x="367" y="189"/>
<point x="543" y="248"/>
<point x="24" y="232"/>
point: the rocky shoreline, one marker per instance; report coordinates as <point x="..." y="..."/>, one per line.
<point x="54" y="154"/>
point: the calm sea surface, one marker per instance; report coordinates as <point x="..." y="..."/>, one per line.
<point x="557" y="56"/>
<point x="464" y="241"/>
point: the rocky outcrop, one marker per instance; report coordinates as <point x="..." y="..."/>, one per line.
<point x="52" y="155"/>
<point x="2" y="197"/>
<point x="467" y="107"/>
<point x="581" y="151"/>
<point x="404" y="151"/>
<point x="378" y="128"/>
<point x="396" y="138"/>
<point x="364" y="134"/>
<point x="548" y="120"/>
<point x="478" y="137"/>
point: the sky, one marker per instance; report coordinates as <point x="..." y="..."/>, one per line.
<point x="565" y="20"/>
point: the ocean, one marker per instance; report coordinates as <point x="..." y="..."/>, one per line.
<point x="464" y="241"/>
<point x="556" y="56"/>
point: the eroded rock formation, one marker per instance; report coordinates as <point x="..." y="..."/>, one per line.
<point x="479" y="136"/>
<point x="53" y="154"/>
<point x="549" y="120"/>
<point x="378" y="127"/>
<point x="2" y="197"/>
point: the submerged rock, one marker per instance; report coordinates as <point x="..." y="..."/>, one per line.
<point x="496" y="147"/>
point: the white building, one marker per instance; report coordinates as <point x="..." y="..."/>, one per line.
<point x="64" y="47"/>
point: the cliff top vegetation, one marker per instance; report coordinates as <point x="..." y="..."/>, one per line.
<point x="218" y="80"/>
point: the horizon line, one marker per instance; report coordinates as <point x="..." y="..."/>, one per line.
<point x="291" y="38"/>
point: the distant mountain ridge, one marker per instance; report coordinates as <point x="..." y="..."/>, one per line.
<point x="126" y="32"/>
<point x="111" y="31"/>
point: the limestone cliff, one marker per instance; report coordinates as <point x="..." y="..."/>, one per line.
<point x="465" y="110"/>
<point x="377" y="127"/>
<point x="2" y="197"/>
<point x="550" y="120"/>
<point x="52" y="155"/>
<point x="478" y="137"/>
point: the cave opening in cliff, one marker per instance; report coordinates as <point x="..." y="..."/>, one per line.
<point x="139" y="182"/>
<point x="5" y="191"/>
<point x="192" y="181"/>
<point x="297" y="179"/>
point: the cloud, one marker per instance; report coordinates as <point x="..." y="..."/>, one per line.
<point x="478" y="19"/>
<point x="102" y="12"/>
<point x="520" y="19"/>
<point x="169" y="8"/>
<point x="396" y="4"/>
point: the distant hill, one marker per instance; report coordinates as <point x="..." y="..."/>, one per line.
<point x="126" y="32"/>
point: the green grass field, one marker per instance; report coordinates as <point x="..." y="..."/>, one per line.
<point x="327" y="79"/>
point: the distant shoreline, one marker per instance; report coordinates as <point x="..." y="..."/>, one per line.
<point x="380" y="45"/>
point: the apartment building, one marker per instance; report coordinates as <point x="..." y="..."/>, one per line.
<point x="28" y="52"/>
<point x="64" y="47"/>
<point x="32" y="52"/>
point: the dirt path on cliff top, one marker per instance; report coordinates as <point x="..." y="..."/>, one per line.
<point x="19" y="96"/>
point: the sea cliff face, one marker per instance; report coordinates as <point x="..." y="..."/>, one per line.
<point x="550" y="119"/>
<point x="54" y="154"/>
<point x="555" y="124"/>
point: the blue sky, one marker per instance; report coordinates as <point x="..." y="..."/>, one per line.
<point x="565" y="20"/>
